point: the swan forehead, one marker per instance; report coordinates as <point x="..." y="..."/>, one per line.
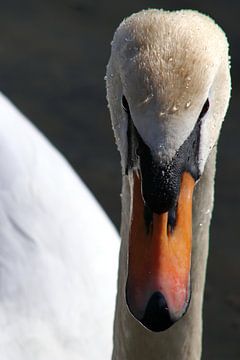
<point x="168" y="59"/>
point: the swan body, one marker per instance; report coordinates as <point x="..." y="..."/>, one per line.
<point x="58" y="253"/>
<point x="168" y="88"/>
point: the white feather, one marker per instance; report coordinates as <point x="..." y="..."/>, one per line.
<point x="58" y="253"/>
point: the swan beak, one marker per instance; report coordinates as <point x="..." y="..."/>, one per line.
<point x="158" y="283"/>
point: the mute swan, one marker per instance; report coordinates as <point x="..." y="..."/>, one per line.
<point x="58" y="253"/>
<point x="168" y="88"/>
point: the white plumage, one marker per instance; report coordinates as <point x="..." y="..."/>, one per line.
<point x="58" y="253"/>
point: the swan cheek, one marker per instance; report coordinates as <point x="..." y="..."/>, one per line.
<point x="157" y="289"/>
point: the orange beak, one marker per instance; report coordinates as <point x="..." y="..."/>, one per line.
<point x="159" y="260"/>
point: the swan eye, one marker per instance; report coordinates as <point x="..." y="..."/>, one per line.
<point x="204" y="109"/>
<point x="125" y="105"/>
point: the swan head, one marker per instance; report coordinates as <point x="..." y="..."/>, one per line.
<point x="168" y="88"/>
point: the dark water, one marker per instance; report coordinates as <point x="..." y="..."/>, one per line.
<point x="53" y="55"/>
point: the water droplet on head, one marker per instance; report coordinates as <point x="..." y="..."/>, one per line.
<point x="170" y="59"/>
<point x="148" y="99"/>
<point x="174" y="108"/>
<point x="105" y="77"/>
<point x="188" y="104"/>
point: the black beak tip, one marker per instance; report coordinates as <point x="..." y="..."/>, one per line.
<point x="156" y="317"/>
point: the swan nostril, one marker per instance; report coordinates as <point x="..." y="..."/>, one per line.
<point x="172" y="218"/>
<point x="156" y="317"/>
